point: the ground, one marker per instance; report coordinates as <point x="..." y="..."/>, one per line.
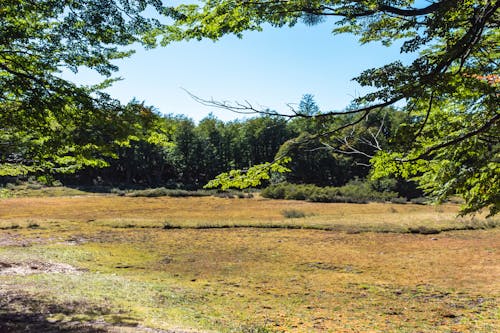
<point x="118" y="264"/>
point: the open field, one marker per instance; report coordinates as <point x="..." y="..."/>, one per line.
<point x="108" y="263"/>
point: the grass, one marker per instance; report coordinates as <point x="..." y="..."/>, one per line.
<point x="37" y="190"/>
<point x="231" y="265"/>
<point x="212" y="212"/>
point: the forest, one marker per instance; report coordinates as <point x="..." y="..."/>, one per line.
<point x="173" y="151"/>
<point x="433" y="120"/>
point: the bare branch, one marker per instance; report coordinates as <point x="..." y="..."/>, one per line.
<point x="247" y="108"/>
<point x="236" y="107"/>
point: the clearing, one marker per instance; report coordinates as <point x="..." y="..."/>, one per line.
<point x="206" y="264"/>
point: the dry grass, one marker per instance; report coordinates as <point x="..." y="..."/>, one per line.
<point x="249" y="279"/>
<point x="213" y="212"/>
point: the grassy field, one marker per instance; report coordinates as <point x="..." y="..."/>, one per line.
<point x="119" y="264"/>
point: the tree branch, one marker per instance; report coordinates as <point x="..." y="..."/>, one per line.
<point x="428" y="152"/>
<point x="248" y="108"/>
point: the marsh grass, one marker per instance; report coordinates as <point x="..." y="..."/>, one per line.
<point x="293" y="213"/>
<point x="165" y="192"/>
<point x="37" y="190"/>
<point x="240" y="266"/>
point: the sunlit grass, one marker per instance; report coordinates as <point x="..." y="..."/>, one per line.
<point x="136" y="271"/>
<point x="207" y="212"/>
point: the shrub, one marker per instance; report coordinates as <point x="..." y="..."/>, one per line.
<point x="326" y="194"/>
<point x="398" y="200"/>
<point x="423" y="230"/>
<point x="354" y="192"/>
<point x="225" y="195"/>
<point x="293" y="214"/>
<point x="419" y="201"/>
<point x="163" y="192"/>
<point x="299" y="192"/>
<point x="32" y="186"/>
<point x="363" y="191"/>
<point x="118" y="191"/>
<point x="275" y="191"/>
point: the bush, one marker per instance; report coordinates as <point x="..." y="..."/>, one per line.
<point x="225" y="195"/>
<point x="399" y="200"/>
<point x="327" y="194"/>
<point x="164" y="192"/>
<point x="354" y="192"/>
<point x="299" y="192"/>
<point x="118" y="191"/>
<point x="364" y="191"/>
<point x="419" y="201"/>
<point x="33" y="225"/>
<point x="293" y="214"/>
<point x="31" y="186"/>
<point x="275" y="191"/>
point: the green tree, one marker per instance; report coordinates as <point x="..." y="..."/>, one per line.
<point x="215" y="154"/>
<point x="187" y="153"/>
<point x="457" y="42"/>
<point x="57" y="123"/>
<point x="144" y="159"/>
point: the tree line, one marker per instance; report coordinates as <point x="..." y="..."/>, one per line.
<point x="175" y="152"/>
<point x="445" y="134"/>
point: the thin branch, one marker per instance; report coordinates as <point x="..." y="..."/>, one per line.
<point x="428" y="112"/>
<point x="248" y="108"/>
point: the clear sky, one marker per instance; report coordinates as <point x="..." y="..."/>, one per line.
<point x="268" y="69"/>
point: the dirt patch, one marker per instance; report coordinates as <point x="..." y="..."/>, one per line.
<point x="22" y="240"/>
<point x="36" y="267"/>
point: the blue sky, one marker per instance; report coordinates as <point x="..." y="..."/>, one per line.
<point x="268" y="69"/>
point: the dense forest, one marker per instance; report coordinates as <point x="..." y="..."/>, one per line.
<point x="175" y="152"/>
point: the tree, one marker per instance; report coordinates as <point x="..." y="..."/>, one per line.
<point x="55" y="123"/>
<point x="451" y="107"/>
<point x="144" y="159"/>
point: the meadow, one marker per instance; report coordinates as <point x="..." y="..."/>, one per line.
<point x="106" y="263"/>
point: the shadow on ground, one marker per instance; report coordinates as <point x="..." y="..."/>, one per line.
<point x="21" y="322"/>
<point x="20" y="312"/>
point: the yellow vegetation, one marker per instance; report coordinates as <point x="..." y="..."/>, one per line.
<point x="263" y="279"/>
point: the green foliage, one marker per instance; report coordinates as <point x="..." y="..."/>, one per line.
<point x="467" y="165"/>
<point x="49" y="123"/>
<point x="252" y="177"/>
<point x="293" y="214"/>
<point x="449" y="140"/>
<point x="174" y="152"/>
<point x="164" y="192"/>
<point x="445" y="137"/>
<point x="353" y="192"/>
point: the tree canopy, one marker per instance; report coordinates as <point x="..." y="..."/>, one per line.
<point x="57" y="123"/>
<point x="450" y="141"/>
